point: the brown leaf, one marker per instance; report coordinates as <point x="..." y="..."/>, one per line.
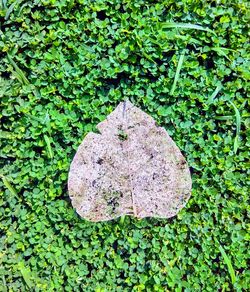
<point x="133" y="167"/>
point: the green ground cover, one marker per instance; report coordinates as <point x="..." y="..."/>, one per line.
<point x="64" y="66"/>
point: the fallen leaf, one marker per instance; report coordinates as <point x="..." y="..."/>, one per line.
<point x="132" y="167"/>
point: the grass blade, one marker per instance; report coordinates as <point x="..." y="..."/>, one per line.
<point x="122" y="219"/>
<point x="214" y="94"/>
<point x="17" y="76"/>
<point x="228" y="263"/>
<point x="3" y="4"/>
<point x="9" y="186"/>
<point x="18" y="73"/>
<point x="4" y="285"/>
<point x="26" y="274"/>
<point x="34" y="118"/>
<point x="222" y="51"/>
<point x="236" y="144"/>
<point x="21" y="9"/>
<point x="46" y="121"/>
<point x="223" y="118"/>
<point x="47" y="140"/>
<point x="238" y="118"/>
<point x="177" y="73"/>
<point x="185" y="26"/>
<point x="238" y="126"/>
<point x="22" y="78"/>
<point x="10" y="9"/>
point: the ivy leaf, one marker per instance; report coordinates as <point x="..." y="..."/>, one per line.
<point x="132" y="167"/>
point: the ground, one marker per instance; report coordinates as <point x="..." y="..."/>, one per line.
<point x="64" y="66"/>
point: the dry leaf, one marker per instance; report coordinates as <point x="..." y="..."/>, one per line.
<point x="132" y="167"/>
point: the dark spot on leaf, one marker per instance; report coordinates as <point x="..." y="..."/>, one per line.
<point x="99" y="161"/>
<point x="155" y="175"/>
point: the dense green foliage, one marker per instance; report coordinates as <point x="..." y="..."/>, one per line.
<point x="64" y="66"/>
